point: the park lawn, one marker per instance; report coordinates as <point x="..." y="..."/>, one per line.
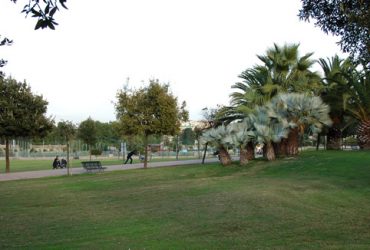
<point x="20" y="165"/>
<point x="320" y="200"/>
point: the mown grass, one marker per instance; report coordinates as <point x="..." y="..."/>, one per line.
<point x="20" y="165"/>
<point x="320" y="200"/>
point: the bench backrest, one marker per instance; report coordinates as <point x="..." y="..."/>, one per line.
<point x="91" y="164"/>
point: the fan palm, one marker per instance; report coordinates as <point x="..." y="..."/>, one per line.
<point x="269" y="127"/>
<point x="301" y="111"/>
<point x="240" y="134"/>
<point x="217" y="136"/>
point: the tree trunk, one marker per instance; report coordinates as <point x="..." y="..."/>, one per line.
<point x="293" y="142"/>
<point x="250" y="151"/>
<point x="68" y="170"/>
<point x="334" y="139"/>
<point x="243" y="155"/>
<point x="177" y="147"/>
<point x="270" y="153"/>
<point x="146" y="151"/>
<point x="282" y="148"/>
<point x="224" y="156"/>
<point x="199" y="153"/>
<point x="363" y="134"/>
<point x="318" y="142"/>
<point x="205" y="152"/>
<point x="7" y="161"/>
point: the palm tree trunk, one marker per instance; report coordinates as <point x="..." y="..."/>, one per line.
<point x="363" y="134"/>
<point x="293" y="142"/>
<point x="318" y="142"/>
<point x="7" y="161"/>
<point x="334" y="138"/>
<point x="224" y="156"/>
<point x="270" y="153"/>
<point x="282" y="148"/>
<point x="243" y="155"/>
<point x="250" y="151"/>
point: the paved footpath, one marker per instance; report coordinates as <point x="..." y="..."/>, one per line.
<point x="60" y="172"/>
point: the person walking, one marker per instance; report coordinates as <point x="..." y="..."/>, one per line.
<point x="129" y="156"/>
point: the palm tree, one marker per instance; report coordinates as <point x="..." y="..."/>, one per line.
<point x="269" y="127"/>
<point x="289" y="72"/>
<point x="358" y="105"/>
<point x="301" y="111"/>
<point x="217" y="136"/>
<point x="283" y="71"/>
<point x="336" y="83"/>
<point x="241" y="135"/>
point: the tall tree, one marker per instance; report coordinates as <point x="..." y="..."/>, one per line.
<point x="188" y="136"/>
<point x="336" y="82"/>
<point x="349" y="19"/>
<point x="22" y="113"/>
<point x="67" y="131"/>
<point x="358" y="105"/>
<point x="87" y="133"/>
<point x="283" y="70"/>
<point x="150" y="110"/>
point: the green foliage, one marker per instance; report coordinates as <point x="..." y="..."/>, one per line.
<point x="87" y="132"/>
<point x="148" y="111"/>
<point x="302" y="110"/>
<point x="348" y="19"/>
<point x="357" y="102"/>
<point x="96" y="152"/>
<point x="44" y="11"/>
<point x="216" y="136"/>
<point x="267" y="126"/>
<point x="22" y="113"/>
<point x="282" y="71"/>
<point x="66" y="130"/>
<point x="188" y="137"/>
<point x="240" y="133"/>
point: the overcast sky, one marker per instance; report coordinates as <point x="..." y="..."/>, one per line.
<point x="198" y="46"/>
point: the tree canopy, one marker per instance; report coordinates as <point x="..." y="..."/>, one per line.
<point x="349" y="19"/>
<point x="87" y="132"/>
<point x="22" y="113"/>
<point x="150" y="110"/>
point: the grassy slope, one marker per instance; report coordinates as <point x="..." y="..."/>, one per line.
<point x="321" y="200"/>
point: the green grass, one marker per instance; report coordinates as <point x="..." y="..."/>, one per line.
<point x="320" y="200"/>
<point x="19" y="165"/>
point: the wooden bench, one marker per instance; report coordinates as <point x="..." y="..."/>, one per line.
<point x="92" y="165"/>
